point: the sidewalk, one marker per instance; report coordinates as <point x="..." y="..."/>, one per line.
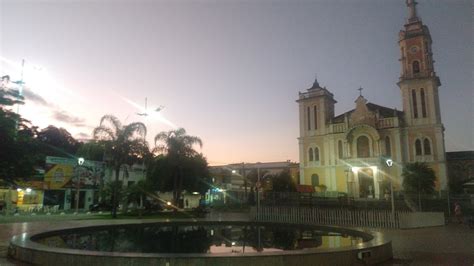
<point x="448" y="245"/>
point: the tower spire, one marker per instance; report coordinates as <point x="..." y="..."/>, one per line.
<point x="412" y="16"/>
<point x="316" y="83"/>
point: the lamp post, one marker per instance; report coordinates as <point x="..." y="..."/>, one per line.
<point x="389" y="163"/>
<point x="80" y="162"/>
<point x="349" y="192"/>
<point x="258" y="189"/>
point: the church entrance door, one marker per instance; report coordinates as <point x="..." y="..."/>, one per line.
<point x="366" y="183"/>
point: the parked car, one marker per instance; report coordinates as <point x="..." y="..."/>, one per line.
<point x="101" y="206"/>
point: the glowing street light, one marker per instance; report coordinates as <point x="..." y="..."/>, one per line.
<point x="389" y="163"/>
<point x="80" y="162"/>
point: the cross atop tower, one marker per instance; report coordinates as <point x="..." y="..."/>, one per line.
<point x="360" y="90"/>
<point x="412" y="10"/>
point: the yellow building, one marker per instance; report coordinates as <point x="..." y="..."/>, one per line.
<point x="345" y="153"/>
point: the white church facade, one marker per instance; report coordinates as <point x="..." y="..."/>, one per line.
<point x="346" y="153"/>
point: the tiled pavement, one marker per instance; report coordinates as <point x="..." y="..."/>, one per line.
<point x="448" y="245"/>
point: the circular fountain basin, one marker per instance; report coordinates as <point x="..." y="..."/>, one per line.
<point x="201" y="243"/>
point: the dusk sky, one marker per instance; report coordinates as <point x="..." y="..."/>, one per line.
<point x="227" y="71"/>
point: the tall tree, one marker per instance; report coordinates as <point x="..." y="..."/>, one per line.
<point x="59" y="141"/>
<point x="18" y="146"/>
<point x="283" y="182"/>
<point x="124" y="145"/>
<point x="418" y="178"/>
<point x="177" y="146"/>
<point x="92" y="150"/>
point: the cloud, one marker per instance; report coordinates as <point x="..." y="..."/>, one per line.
<point x="36" y="98"/>
<point x="82" y="135"/>
<point x="63" y="116"/>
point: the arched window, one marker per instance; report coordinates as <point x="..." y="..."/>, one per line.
<point x="418" y="147"/>
<point x="363" y="150"/>
<point x="339" y="149"/>
<point x="388" y="146"/>
<point x="314" y="180"/>
<point x="416" y="67"/>
<point x="427" y="146"/>
<point x="316" y="154"/>
<point x="310" y="154"/>
<point x="309" y="118"/>
<point x="415" y="107"/>
<point x="423" y="103"/>
<point x="315" y="117"/>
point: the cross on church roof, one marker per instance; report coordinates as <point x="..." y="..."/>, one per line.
<point x="412" y="10"/>
<point x="360" y="90"/>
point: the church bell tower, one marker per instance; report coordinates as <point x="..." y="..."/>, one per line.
<point x="418" y="81"/>
<point x="423" y="131"/>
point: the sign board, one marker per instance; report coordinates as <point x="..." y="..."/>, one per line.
<point x="64" y="172"/>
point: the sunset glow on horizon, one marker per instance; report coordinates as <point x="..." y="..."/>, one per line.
<point x="229" y="72"/>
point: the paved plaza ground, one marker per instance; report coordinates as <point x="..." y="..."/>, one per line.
<point x="448" y="245"/>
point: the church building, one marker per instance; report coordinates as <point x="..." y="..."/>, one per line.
<point x="348" y="152"/>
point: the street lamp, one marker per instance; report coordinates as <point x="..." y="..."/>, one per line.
<point x="258" y="189"/>
<point x="349" y="187"/>
<point x="80" y="162"/>
<point x="389" y="163"/>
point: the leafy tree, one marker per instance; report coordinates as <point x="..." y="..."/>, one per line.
<point x="93" y="151"/>
<point x="124" y="145"/>
<point x="177" y="146"/>
<point x="252" y="176"/>
<point x="137" y="192"/>
<point x="194" y="170"/>
<point x="59" y="141"/>
<point x="418" y="178"/>
<point x="283" y="182"/>
<point x="18" y="147"/>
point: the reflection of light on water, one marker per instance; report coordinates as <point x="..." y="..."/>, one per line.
<point x="224" y="239"/>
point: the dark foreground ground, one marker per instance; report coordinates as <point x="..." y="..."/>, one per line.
<point x="449" y="245"/>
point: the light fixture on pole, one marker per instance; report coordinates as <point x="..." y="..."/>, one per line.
<point x="258" y="189"/>
<point x="80" y="162"/>
<point x="389" y="163"/>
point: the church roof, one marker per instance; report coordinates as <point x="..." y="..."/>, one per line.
<point x="383" y="111"/>
<point x="459" y="155"/>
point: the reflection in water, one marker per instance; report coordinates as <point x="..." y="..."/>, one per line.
<point x="222" y="238"/>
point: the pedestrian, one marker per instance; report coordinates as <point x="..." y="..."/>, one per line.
<point x="187" y="203"/>
<point x="458" y="212"/>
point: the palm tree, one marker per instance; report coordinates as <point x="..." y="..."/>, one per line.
<point x="124" y="145"/>
<point x="177" y="145"/>
<point x="419" y="178"/>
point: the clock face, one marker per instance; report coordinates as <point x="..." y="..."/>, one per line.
<point x="413" y="49"/>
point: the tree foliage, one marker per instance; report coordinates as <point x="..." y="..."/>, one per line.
<point x="418" y="177"/>
<point x="179" y="166"/>
<point x="59" y="141"/>
<point x="194" y="171"/>
<point x="93" y="151"/>
<point x="123" y="145"/>
<point x="19" y="150"/>
<point x="283" y="182"/>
